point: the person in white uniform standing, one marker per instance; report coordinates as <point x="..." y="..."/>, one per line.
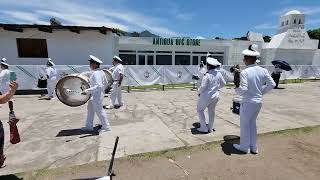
<point x="51" y="78"/>
<point x="201" y="72"/>
<point x="117" y="75"/>
<point x="5" y="82"/>
<point x="98" y="83"/>
<point x="252" y="87"/>
<point x="209" y="95"/>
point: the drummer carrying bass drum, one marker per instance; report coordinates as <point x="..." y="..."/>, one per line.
<point x="98" y="82"/>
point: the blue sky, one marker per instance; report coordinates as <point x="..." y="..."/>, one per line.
<point x="170" y="18"/>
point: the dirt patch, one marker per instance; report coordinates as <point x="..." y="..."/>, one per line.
<point x="293" y="154"/>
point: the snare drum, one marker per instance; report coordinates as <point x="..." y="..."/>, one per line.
<point x="236" y="105"/>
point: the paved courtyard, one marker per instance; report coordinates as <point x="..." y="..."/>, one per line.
<point x="149" y="121"/>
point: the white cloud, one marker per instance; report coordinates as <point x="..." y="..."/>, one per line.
<point x="200" y="37"/>
<point x="265" y="26"/>
<point x="306" y="10"/>
<point x="83" y="13"/>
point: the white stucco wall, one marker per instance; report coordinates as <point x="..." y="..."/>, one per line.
<point x="64" y="47"/>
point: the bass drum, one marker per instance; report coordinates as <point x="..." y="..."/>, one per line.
<point x="70" y="87"/>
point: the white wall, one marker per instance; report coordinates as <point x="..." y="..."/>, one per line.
<point x="64" y="47"/>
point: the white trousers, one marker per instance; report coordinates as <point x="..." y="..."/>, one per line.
<point x="248" y="128"/>
<point x="51" y="88"/>
<point x="204" y="103"/>
<point x="116" y="95"/>
<point x="96" y="107"/>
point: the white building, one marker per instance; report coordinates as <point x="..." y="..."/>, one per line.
<point x="71" y="45"/>
<point x="33" y="44"/>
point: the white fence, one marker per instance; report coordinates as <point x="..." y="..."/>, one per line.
<point x="149" y="75"/>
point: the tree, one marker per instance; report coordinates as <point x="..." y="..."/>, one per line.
<point x="315" y="34"/>
<point x="266" y="38"/>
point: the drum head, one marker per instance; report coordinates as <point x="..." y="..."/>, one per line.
<point x="108" y="74"/>
<point x="69" y="90"/>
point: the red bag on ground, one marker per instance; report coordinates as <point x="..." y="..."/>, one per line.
<point x="14" y="133"/>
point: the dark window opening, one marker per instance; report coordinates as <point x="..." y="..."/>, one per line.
<point x="199" y="52"/>
<point x="195" y="60"/>
<point x="300" y="21"/>
<point x="145" y="51"/>
<point x="164" y="52"/>
<point x="142" y="60"/>
<point x="182" y="52"/>
<point x="128" y="59"/>
<point x="127" y="51"/>
<point x="294" y="21"/>
<point x="32" y="48"/>
<point x="204" y="59"/>
<point x="287" y="22"/>
<point x="282" y="24"/>
<point x="164" y="59"/>
<point x="150" y="60"/>
<point x="182" y="60"/>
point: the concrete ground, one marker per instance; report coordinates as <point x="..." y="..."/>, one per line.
<point x="149" y="121"/>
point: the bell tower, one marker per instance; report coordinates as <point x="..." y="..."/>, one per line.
<point x="291" y="20"/>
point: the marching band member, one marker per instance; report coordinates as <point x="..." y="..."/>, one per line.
<point x="201" y="73"/>
<point x="276" y="74"/>
<point x="98" y="82"/>
<point x="117" y="75"/>
<point x="5" y="82"/>
<point x="251" y="88"/>
<point x="51" y="78"/>
<point x="4" y="98"/>
<point x="209" y="95"/>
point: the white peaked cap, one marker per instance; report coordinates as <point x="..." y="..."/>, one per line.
<point x="3" y="61"/>
<point x="117" y="58"/>
<point x="251" y="51"/>
<point x="213" y="61"/>
<point x="95" y="59"/>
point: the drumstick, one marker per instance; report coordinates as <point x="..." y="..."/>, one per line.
<point x="69" y="90"/>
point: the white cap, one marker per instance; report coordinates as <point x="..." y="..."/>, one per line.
<point x="213" y="61"/>
<point x="208" y="55"/>
<point x="117" y="58"/>
<point x="3" y="61"/>
<point x="258" y="61"/>
<point x="95" y="59"/>
<point x="251" y="51"/>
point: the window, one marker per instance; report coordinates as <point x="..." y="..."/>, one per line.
<point x="128" y="59"/>
<point x="182" y="60"/>
<point x="164" y="59"/>
<point x="127" y="51"/>
<point x="287" y="22"/>
<point x="282" y="24"/>
<point x="199" y="52"/>
<point x="145" y="51"/>
<point x="142" y="60"/>
<point x="204" y="59"/>
<point x="294" y="21"/>
<point x="195" y="60"/>
<point x="32" y="48"/>
<point x="300" y="21"/>
<point x="150" y="60"/>
<point x="168" y="52"/>
<point x="182" y="52"/>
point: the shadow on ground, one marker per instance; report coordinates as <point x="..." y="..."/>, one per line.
<point x="78" y="132"/>
<point x="194" y="130"/>
<point x="227" y="145"/>
<point x="10" y="177"/>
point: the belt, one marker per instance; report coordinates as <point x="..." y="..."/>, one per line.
<point x="116" y="80"/>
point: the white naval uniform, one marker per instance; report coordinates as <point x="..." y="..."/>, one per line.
<point x="252" y="88"/>
<point x="209" y="97"/>
<point x="201" y="73"/>
<point x="97" y="82"/>
<point x="52" y="77"/>
<point x="116" y="90"/>
<point x="4" y="81"/>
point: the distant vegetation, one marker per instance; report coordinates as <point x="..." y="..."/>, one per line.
<point x="315" y="34"/>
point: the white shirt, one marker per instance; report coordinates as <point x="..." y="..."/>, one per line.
<point x="5" y="80"/>
<point x="201" y="72"/>
<point x="51" y="73"/>
<point x="211" y="83"/>
<point x="252" y="80"/>
<point x="97" y="82"/>
<point x="118" y="69"/>
<point x="277" y="70"/>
